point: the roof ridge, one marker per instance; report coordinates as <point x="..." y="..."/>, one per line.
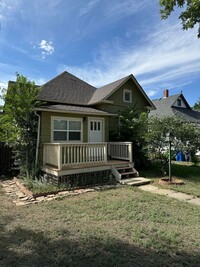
<point x="68" y="73"/>
<point x="162" y="98"/>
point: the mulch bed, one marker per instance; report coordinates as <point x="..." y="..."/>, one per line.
<point x="165" y="181"/>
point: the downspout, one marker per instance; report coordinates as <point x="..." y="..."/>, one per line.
<point x="38" y="139"/>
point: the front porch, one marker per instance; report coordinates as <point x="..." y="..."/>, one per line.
<point x="66" y="158"/>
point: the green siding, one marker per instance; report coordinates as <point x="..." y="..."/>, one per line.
<point x="118" y="105"/>
<point x="45" y="132"/>
<point x="46" y="125"/>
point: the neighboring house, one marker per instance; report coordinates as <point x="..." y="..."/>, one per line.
<point x="175" y="105"/>
<point x="76" y="119"/>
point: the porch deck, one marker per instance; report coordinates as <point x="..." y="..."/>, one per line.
<point x="67" y="170"/>
<point x="64" y="159"/>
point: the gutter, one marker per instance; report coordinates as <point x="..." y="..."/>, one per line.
<point x="38" y="138"/>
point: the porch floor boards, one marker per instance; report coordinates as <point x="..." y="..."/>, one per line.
<point x="109" y="163"/>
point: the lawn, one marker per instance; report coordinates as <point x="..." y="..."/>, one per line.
<point x="119" y="227"/>
<point x="187" y="172"/>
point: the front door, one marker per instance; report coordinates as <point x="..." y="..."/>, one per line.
<point x="95" y="134"/>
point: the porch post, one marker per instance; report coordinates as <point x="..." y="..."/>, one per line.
<point x="59" y="157"/>
<point x="105" y="153"/>
<point x="130" y="153"/>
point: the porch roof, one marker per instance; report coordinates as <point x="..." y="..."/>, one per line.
<point x="75" y="110"/>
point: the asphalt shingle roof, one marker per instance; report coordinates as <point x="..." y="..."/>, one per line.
<point x="74" y="109"/>
<point x="164" y="107"/>
<point x="104" y="91"/>
<point x="66" y="88"/>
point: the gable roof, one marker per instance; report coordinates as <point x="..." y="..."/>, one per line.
<point x="66" y="89"/>
<point x="164" y="108"/>
<point x="106" y="90"/>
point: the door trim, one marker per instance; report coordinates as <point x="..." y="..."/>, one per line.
<point x="103" y="127"/>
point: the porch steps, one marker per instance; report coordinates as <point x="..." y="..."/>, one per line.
<point x="124" y="172"/>
<point x="128" y="175"/>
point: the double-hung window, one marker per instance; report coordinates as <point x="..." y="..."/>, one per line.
<point x="66" y="129"/>
<point x="127" y="96"/>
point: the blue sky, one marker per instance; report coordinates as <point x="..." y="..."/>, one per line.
<point x="99" y="41"/>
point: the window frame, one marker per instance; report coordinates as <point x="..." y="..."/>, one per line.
<point x="68" y="119"/>
<point x="124" y="93"/>
<point x="179" y="102"/>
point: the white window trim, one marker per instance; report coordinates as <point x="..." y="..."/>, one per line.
<point x="127" y="91"/>
<point x="66" y="119"/>
<point x="103" y="126"/>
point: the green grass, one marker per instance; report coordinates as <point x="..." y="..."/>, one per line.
<point x="119" y="227"/>
<point x="187" y="172"/>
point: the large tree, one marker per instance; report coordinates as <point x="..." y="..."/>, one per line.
<point x="19" y="123"/>
<point x="190" y="16"/>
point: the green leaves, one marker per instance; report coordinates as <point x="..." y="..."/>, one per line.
<point x="19" y="123"/>
<point x="189" y="17"/>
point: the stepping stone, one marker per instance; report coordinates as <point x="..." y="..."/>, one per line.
<point x="40" y="199"/>
<point x="164" y="192"/>
<point x="181" y="196"/>
<point x="20" y="203"/>
<point x="63" y="193"/>
<point x="195" y="201"/>
<point x="20" y="195"/>
<point x="50" y="196"/>
<point x="148" y="188"/>
<point x="5" y="185"/>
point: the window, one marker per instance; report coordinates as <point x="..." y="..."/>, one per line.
<point x="66" y="129"/>
<point x="179" y="102"/>
<point x="128" y="96"/>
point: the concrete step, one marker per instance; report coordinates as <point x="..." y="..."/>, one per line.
<point x="136" y="181"/>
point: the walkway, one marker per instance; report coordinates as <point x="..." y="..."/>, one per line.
<point x="170" y="193"/>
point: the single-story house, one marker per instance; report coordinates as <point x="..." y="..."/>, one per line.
<point x="75" y="121"/>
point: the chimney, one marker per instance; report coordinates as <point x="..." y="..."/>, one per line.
<point x="166" y="93"/>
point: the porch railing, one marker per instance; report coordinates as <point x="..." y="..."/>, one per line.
<point x="60" y="155"/>
<point x="65" y="155"/>
<point x="120" y="150"/>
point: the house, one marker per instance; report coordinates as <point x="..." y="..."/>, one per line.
<point x="75" y="122"/>
<point x="175" y="105"/>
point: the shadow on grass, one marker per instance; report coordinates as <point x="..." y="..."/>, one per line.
<point x="23" y="247"/>
<point x="187" y="172"/>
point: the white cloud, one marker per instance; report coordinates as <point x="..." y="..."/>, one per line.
<point x="118" y="9"/>
<point x="46" y="47"/>
<point x="168" y="55"/>
<point x="84" y="10"/>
